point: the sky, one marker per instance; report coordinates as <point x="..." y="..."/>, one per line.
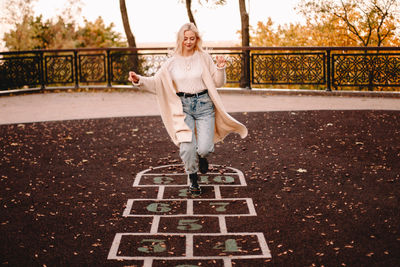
<point x="158" y="21"/>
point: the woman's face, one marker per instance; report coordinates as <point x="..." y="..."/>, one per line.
<point x="189" y="41"/>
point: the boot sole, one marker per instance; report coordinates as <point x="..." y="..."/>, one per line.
<point x="195" y="191"/>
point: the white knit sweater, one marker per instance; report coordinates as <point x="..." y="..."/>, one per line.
<point x="186" y="73"/>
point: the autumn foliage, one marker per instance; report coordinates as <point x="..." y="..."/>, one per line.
<point x="335" y="23"/>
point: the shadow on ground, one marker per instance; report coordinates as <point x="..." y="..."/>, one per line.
<point x="325" y="185"/>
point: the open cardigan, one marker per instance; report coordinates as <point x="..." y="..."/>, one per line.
<point x="170" y="104"/>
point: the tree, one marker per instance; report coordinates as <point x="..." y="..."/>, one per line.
<point x="22" y="37"/>
<point x="15" y="11"/>
<point x="125" y="20"/>
<point x="97" y="34"/>
<point x="367" y="23"/>
<point x="321" y="33"/>
<point x="30" y="32"/>
<point x="244" y="17"/>
<point x="264" y="34"/>
<point x="329" y="27"/>
<point x="370" y="22"/>
<point x="201" y="3"/>
<point x="53" y="34"/>
<point x="134" y="59"/>
<point x="34" y="33"/>
<point x="189" y="11"/>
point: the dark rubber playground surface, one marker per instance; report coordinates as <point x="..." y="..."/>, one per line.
<point x="325" y="185"/>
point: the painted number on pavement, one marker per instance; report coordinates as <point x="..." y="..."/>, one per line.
<point x="152" y="245"/>
<point x="218" y="179"/>
<point x="219" y="206"/>
<point x="230" y="245"/>
<point x="189" y="224"/>
<point x="163" y="180"/>
<point x="158" y="207"/>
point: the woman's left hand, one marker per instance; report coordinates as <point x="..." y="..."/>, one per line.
<point x="221" y="62"/>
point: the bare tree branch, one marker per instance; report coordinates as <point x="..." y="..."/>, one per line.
<point x="384" y="14"/>
<point x="351" y="27"/>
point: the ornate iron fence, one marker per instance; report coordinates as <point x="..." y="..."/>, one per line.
<point x="288" y="68"/>
<point x="337" y="68"/>
<point x="368" y="70"/>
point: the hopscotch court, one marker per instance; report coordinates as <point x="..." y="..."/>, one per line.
<point x="188" y="229"/>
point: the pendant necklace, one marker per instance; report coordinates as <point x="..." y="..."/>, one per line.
<point x="188" y="63"/>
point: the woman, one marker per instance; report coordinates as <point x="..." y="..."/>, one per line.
<point x="190" y="106"/>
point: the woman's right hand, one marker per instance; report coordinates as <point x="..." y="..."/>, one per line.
<point x="133" y="77"/>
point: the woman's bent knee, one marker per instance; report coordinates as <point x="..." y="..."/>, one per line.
<point x="205" y="151"/>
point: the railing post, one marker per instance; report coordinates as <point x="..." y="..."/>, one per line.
<point x="42" y="80"/>
<point x="248" y="83"/>
<point x="76" y="69"/>
<point x="328" y="71"/>
<point x="109" y="68"/>
<point x="245" y="77"/>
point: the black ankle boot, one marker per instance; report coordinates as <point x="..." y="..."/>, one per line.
<point x="193" y="179"/>
<point x="194" y="187"/>
<point x="203" y="165"/>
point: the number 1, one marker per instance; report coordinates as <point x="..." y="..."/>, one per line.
<point x="229" y="246"/>
<point x="221" y="205"/>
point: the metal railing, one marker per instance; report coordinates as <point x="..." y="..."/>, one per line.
<point x="324" y="68"/>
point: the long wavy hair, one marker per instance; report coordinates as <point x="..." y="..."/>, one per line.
<point x="181" y="36"/>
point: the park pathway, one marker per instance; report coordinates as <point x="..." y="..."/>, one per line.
<point x="92" y="105"/>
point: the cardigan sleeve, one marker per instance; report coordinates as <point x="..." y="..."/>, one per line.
<point x="218" y="74"/>
<point x="146" y="83"/>
<point x="150" y="83"/>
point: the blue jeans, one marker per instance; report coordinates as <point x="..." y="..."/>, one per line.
<point x="200" y="117"/>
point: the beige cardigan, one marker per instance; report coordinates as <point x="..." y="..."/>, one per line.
<point x="171" y="106"/>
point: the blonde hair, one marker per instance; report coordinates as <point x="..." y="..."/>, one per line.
<point x="181" y="36"/>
